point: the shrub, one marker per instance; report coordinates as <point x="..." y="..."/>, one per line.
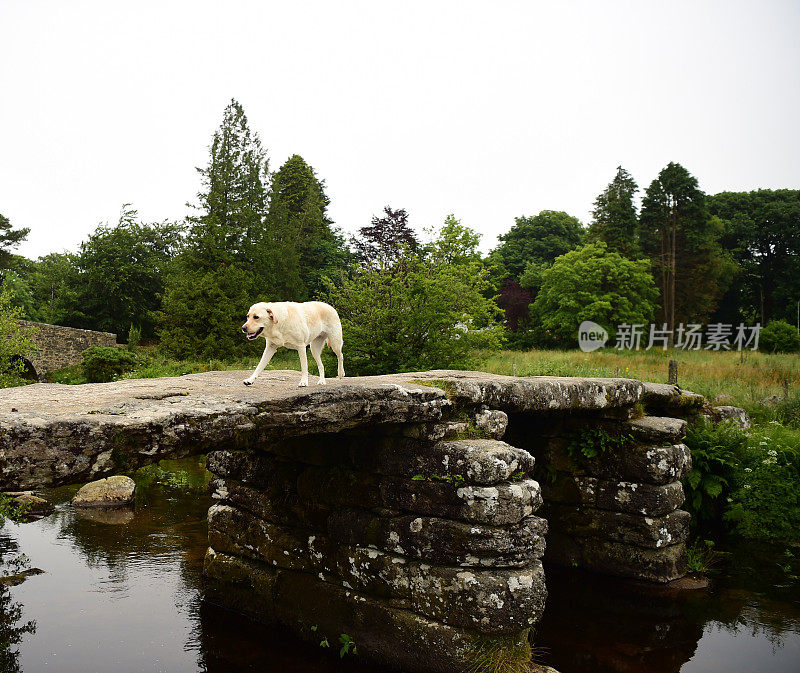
<point x="764" y="499"/>
<point x="103" y="363"/>
<point x="15" y="343"/>
<point x="418" y="315"/>
<point x="716" y="450"/>
<point x="779" y="337"/>
<point x="134" y="338"/>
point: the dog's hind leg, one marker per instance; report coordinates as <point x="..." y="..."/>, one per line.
<point x="335" y="342"/>
<point x="303" y="366"/>
<point x="316" y="348"/>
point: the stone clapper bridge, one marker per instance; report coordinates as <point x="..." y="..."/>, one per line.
<point x="409" y="512"/>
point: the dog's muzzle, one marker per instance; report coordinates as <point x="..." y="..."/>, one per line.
<point x="252" y="335"/>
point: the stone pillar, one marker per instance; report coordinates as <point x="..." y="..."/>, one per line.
<point x="612" y="492"/>
<point x="417" y="543"/>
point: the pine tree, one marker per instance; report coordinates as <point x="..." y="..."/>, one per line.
<point x="9" y="238"/>
<point x="233" y="200"/>
<point x="230" y="259"/>
<point x="676" y="232"/>
<point x="298" y="218"/>
<point x="614" y="216"/>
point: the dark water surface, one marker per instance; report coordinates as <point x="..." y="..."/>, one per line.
<point x="122" y="594"/>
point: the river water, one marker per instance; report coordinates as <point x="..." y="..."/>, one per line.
<point x="122" y="593"/>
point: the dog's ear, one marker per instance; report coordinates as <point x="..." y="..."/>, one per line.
<point x="271" y="316"/>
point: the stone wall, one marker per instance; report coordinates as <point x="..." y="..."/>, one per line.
<point x="61" y="346"/>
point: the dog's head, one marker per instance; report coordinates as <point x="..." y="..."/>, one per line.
<point x="259" y="318"/>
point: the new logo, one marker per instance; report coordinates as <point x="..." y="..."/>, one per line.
<point x="591" y="336"/>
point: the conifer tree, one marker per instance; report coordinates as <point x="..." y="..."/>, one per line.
<point x="614" y="218"/>
<point x="9" y="238"/>
<point x="298" y="219"/>
<point x="680" y="238"/>
<point x="229" y="260"/>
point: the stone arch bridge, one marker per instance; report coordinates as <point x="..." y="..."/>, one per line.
<point x="412" y="512"/>
<point x="60" y="346"/>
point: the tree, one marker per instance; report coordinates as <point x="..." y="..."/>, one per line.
<point x="455" y="243"/>
<point x="9" y="238"/>
<point x="386" y="240"/>
<point x="761" y="229"/>
<point x="779" y="337"/>
<point x="594" y="283"/>
<point x="203" y="311"/>
<point x="298" y="221"/>
<point x="122" y="270"/>
<point x="614" y="218"/>
<point x="230" y="258"/>
<point x="418" y="313"/>
<point x="233" y="200"/>
<point x="54" y="282"/>
<point x="675" y="231"/>
<point x="541" y="238"/>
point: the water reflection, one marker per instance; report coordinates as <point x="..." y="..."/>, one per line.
<point x="748" y="620"/>
<point x="12" y="626"/>
<point x="122" y="593"/>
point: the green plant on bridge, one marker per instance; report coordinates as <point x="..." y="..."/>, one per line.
<point x="456" y="479"/>
<point x="594" y="442"/>
<point x="348" y="645"/>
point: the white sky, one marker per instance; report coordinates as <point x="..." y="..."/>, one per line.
<point x="488" y="110"/>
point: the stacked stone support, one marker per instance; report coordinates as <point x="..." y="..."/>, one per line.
<point x="616" y="510"/>
<point x="420" y="546"/>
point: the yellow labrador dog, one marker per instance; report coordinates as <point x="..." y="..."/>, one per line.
<point x="296" y="326"/>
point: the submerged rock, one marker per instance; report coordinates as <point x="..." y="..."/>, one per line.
<point x="19" y="578"/>
<point x="114" y="491"/>
<point x="116" y="516"/>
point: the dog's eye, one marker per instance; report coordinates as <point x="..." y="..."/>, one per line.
<point x="255" y="317"/>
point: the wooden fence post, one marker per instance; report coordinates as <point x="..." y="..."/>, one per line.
<point x="673" y="372"/>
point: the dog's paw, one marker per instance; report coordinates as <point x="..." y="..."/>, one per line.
<point x="321" y="382"/>
<point x="248" y="382"/>
<point x="303" y="383"/>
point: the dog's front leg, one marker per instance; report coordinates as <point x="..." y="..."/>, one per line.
<point x="303" y="366"/>
<point x="269" y="351"/>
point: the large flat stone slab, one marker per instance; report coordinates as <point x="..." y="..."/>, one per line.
<point x="57" y="434"/>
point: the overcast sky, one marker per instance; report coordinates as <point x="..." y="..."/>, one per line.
<point x="488" y="110"/>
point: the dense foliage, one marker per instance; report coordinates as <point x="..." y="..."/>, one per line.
<point x="592" y="283"/>
<point x="427" y="310"/>
<point x="15" y="343"/>
<point x="779" y="337"/>
<point x="761" y="231"/>
<point x="614" y="219"/>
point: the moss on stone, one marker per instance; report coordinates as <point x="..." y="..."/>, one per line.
<point x="447" y="386"/>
